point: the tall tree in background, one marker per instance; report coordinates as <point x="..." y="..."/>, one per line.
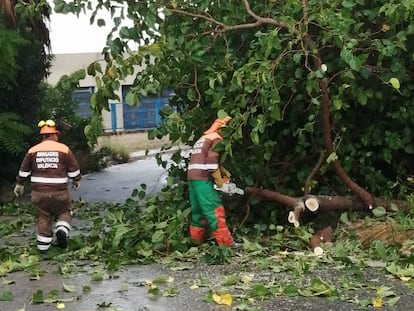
<point x="320" y="91"/>
<point x="24" y="41"/>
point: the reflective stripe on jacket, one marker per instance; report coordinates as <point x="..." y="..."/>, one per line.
<point x="50" y="164"/>
<point x="204" y="160"/>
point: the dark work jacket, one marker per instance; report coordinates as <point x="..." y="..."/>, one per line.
<point x="50" y="165"/>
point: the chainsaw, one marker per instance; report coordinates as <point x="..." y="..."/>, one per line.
<point x="229" y="188"/>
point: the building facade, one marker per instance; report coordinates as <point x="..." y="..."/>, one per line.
<point x="121" y="117"/>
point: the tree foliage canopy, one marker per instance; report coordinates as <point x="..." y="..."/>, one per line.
<point x="303" y="81"/>
<point x="23" y="66"/>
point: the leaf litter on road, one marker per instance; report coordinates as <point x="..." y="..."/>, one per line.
<point x="262" y="270"/>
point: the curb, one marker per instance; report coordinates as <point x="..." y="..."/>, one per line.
<point x="144" y="154"/>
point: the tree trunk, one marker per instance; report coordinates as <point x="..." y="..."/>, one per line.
<point x="325" y="203"/>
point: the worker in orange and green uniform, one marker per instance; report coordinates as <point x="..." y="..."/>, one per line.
<point x="203" y="172"/>
<point x="50" y="165"/>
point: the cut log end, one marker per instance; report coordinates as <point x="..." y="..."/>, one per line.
<point x="321" y="237"/>
<point x="294" y="215"/>
<point x="318" y="250"/>
<point x="291" y="217"/>
<point x="312" y="204"/>
<point x="293" y="220"/>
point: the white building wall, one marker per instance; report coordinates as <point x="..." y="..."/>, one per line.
<point x="66" y="64"/>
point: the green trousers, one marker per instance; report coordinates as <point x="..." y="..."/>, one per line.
<point x="207" y="210"/>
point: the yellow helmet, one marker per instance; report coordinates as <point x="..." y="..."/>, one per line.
<point x="47" y="127"/>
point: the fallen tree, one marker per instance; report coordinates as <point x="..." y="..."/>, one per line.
<point x="322" y="203"/>
<point x="303" y="81"/>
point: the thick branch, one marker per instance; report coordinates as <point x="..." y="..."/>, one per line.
<point x="313" y="172"/>
<point x="326" y="203"/>
<point x="8" y="11"/>
<point x="271" y="196"/>
<point x="262" y="20"/>
<point x="365" y="196"/>
<point x="322" y="236"/>
<point x="259" y="21"/>
<point x="326" y="123"/>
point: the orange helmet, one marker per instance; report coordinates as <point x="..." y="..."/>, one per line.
<point x="217" y="124"/>
<point x="47" y="127"/>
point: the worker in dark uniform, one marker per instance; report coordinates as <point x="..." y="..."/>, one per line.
<point x="50" y="165"/>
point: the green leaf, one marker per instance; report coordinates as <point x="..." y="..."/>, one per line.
<point x="348" y="4"/>
<point x="255" y="137"/>
<point x="100" y="22"/>
<point x="393" y="301"/>
<point x="171" y="292"/>
<point x="319" y="287"/>
<point x="121" y="230"/>
<point x="362" y="99"/>
<point x="221" y="114"/>
<point x="379" y="211"/>
<point x="344" y="218"/>
<point x="395" y="83"/>
<point x="394" y="207"/>
<point x="332" y="157"/>
<point x="97" y="67"/>
<point x="98" y="275"/>
<point x="409" y="149"/>
<point x="161" y="279"/>
<point x="37" y="296"/>
<point x="232" y="280"/>
<point x="158" y="236"/>
<point x="69" y="288"/>
<point x="211" y="83"/>
<point x="337" y="103"/>
<point x="191" y="95"/>
<point x="291" y="290"/>
<point x="6" y="296"/>
<point x="355" y="63"/>
<point x="260" y="290"/>
<point x="154" y="290"/>
<point x="275" y="113"/>
<point x="86" y="289"/>
<point x="132" y="99"/>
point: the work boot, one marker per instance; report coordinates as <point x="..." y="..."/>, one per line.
<point x="62" y="240"/>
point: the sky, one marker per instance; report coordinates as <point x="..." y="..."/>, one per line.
<point x="70" y="34"/>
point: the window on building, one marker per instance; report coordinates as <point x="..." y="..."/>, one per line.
<point x="82" y="96"/>
<point x="147" y="115"/>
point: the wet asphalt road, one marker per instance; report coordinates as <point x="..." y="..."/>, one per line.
<point x="116" y="183"/>
<point x="128" y="291"/>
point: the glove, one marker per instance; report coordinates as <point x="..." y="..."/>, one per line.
<point x="75" y="184"/>
<point x="218" y="180"/>
<point x="18" y="190"/>
<point x="224" y="172"/>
